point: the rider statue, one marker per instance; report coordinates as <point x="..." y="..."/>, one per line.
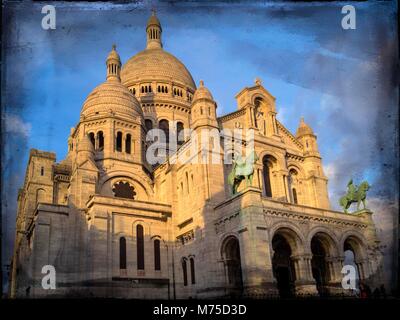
<point x="354" y="194"/>
<point x="243" y="169"/>
<point x="351" y="189"/>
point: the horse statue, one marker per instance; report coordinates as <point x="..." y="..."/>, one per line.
<point x="242" y="169"/>
<point x="354" y="194"/>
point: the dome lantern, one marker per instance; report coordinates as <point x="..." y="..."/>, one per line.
<point x="153" y="31"/>
<point x="113" y="63"/>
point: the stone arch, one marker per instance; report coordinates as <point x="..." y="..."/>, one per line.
<point x="231" y="257"/>
<point x="146" y="228"/>
<point x="291" y="233"/>
<point x="258" y="95"/>
<point x="295" y="166"/>
<point x="285" y="245"/>
<point x="142" y="187"/>
<point x="120" y="234"/>
<point x="269" y="183"/>
<point x="149" y="123"/>
<point x="280" y="160"/>
<point x="225" y="240"/>
<point x="357" y="242"/>
<point x="295" y="185"/>
<point x="328" y="240"/>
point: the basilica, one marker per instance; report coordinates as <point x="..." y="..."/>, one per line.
<point x="113" y="224"/>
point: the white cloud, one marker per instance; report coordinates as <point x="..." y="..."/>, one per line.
<point x="14" y="124"/>
<point x="330" y="170"/>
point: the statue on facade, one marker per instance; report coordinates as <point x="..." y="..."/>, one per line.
<point x="354" y="194"/>
<point x="242" y="169"/>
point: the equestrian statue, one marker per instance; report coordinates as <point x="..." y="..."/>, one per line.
<point x="354" y="194"/>
<point x="242" y="169"/>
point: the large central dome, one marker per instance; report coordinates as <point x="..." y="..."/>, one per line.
<point x="155" y="64"/>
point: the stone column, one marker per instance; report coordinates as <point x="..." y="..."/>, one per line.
<point x="362" y="266"/>
<point x="305" y="283"/>
<point x="334" y="269"/>
<point x="123" y="142"/>
<point x="279" y="188"/>
<point x="255" y="255"/>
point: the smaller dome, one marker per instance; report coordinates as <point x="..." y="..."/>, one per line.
<point x="113" y="54"/>
<point x="85" y="144"/>
<point x="303" y="129"/>
<point x="202" y="93"/>
<point x="153" y="21"/>
<point x="111" y="97"/>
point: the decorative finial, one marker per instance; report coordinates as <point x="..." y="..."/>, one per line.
<point x="114" y="46"/>
<point x="301" y="119"/>
<point x="153" y="11"/>
<point x="201" y="83"/>
<point x="257" y="81"/>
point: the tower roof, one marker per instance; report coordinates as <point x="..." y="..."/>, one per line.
<point x="111" y="96"/>
<point x="113" y="54"/>
<point x="303" y="129"/>
<point x="153" y="20"/>
<point x="202" y="93"/>
<point x="85" y="144"/>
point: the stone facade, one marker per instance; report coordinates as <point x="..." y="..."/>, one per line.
<point x="114" y="225"/>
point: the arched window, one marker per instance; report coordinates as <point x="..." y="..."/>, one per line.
<point x="294" y="192"/>
<point x="184" y="270"/>
<point x="293" y="180"/>
<point x="124" y="190"/>
<point x="192" y="275"/>
<point x="267" y="175"/>
<point x="148" y="124"/>
<point x="128" y="144"/>
<point x="100" y="140"/>
<point x="164" y="126"/>
<point x="179" y="129"/>
<point x="140" y="247"/>
<point x="187" y="182"/>
<point x="42" y="171"/>
<point x="122" y="253"/>
<point x="119" y="141"/>
<point x="92" y="139"/>
<point x="40" y="195"/>
<point x="157" y="255"/>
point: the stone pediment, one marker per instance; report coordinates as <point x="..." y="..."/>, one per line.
<point x="88" y="165"/>
<point x="249" y="94"/>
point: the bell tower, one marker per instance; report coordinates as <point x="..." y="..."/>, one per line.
<point x="153" y="31"/>
<point x="316" y="179"/>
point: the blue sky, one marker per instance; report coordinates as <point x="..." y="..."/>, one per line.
<point x="341" y="81"/>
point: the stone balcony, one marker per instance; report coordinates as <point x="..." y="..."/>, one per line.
<point x="252" y="198"/>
